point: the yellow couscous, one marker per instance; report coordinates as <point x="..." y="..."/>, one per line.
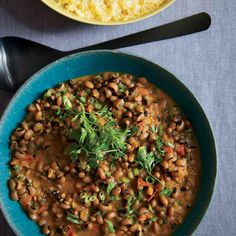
<point x="110" y="10"/>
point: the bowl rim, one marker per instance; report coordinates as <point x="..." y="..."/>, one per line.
<point x="213" y="186"/>
<point x="74" y="17"/>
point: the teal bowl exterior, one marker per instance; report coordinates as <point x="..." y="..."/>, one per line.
<point x="90" y="63"/>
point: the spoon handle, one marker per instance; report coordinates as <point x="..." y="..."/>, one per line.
<point x="185" y="26"/>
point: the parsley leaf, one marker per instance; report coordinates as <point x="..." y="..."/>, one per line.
<point x="148" y="161"/>
<point x="110" y="187"/>
<point x="130" y="202"/>
<point x="166" y="192"/>
<point x="159" y="145"/>
<point x="121" y="88"/>
<point x="110" y="227"/>
<point x="134" y="130"/>
<point x="66" y="102"/>
<point x="154" y="129"/>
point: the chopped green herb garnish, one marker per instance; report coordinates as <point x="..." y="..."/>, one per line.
<point x="16" y="168"/>
<point x="82" y="99"/>
<point x="130" y="202"/>
<point x="136" y="172"/>
<point x="66" y="102"/>
<point x="72" y="218"/>
<point x="148" y="161"/>
<point x="154" y="129"/>
<point x="134" y="130"/>
<point x="150" y="179"/>
<point x="110" y="227"/>
<point x="154" y="219"/>
<point x="101" y="196"/>
<point x="161" y="130"/>
<point x="166" y="192"/>
<point x="95" y="140"/>
<point x="115" y="198"/>
<point x="110" y="187"/>
<point x="121" y="88"/>
<point x="159" y="145"/>
<point x="125" y="180"/>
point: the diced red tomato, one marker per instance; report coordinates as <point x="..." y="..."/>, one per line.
<point x="95" y="228"/>
<point x="180" y="150"/>
<point x="168" y="149"/>
<point x="41" y="209"/>
<point x="26" y="200"/>
<point x="141" y="183"/>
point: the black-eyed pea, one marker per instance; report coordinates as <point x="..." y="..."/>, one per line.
<point x="119" y="103"/>
<point x="14" y="195"/>
<point x="42" y="222"/>
<point x="164" y="200"/>
<point x="126" y="221"/>
<point x="89" y="84"/>
<point x="104" y="208"/>
<point x="129" y="105"/>
<point x="38" y="127"/>
<point x="181" y="163"/>
<point x="131" y="157"/>
<point x="96" y="202"/>
<point x="156" y="228"/>
<point x="111" y="215"/>
<point x="150" y="190"/>
<point x="171" y="211"/>
<point x="126" y="81"/>
<point x="143" y="210"/>
<point x="45" y="214"/>
<point x="135" y="227"/>
<point x="144" y="136"/>
<point x="65" y="206"/>
<point x="12" y="184"/>
<point x="62" y="180"/>
<point x="46" y="229"/>
<point x="165" y="164"/>
<point x="113" y="86"/>
<point x="142" y="80"/>
<point x="39" y="140"/>
<point x="108" y="93"/>
<point x="84" y="214"/>
<point x="101" y="173"/>
<point x="153" y="203"/>
<point x="38" y="115"/>
<point x="28" y="134"/>
<point x="138" y="98"/>
<point x="95" y="93"/>
<point x="33" y="216"/>
<point x="31" y="190"/>
<point x="87" y="179"/>
<point x="32" y="108"/>
<point x="100" y="219"/>
<point x="116" y="191"/>
<point x="19" y="132"/>
<point x="59" y="101"/>
<point x="104" y="167"/>
<point x="90" y="226"/>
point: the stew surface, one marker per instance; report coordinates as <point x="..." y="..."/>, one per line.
<point x="106" y="154"/>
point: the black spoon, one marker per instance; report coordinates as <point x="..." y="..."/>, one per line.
<point x="20" y="58"/>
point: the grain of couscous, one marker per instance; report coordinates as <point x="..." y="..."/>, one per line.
<point x="110" y="10"/>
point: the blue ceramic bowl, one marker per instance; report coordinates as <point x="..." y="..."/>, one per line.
<point x="90" y="63"/>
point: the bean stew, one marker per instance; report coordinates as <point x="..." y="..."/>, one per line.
<point x="106" y="154"/>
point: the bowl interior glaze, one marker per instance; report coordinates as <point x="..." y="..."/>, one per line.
<point x="90" y="63"/>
